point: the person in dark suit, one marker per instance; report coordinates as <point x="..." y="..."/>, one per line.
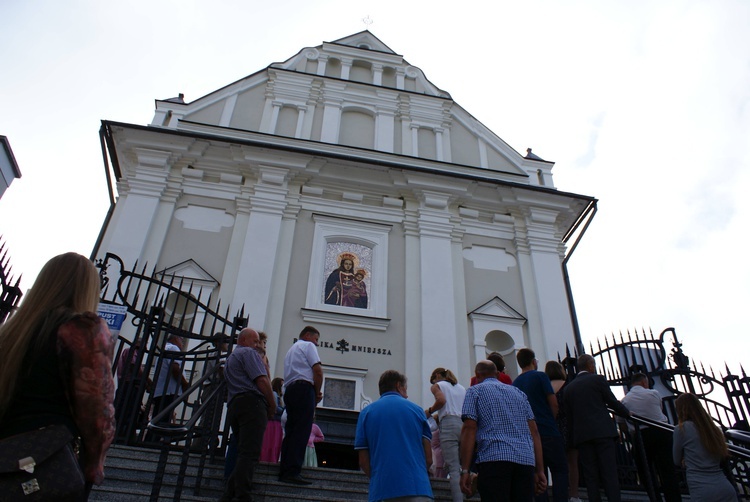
<point x="592" y="430"/>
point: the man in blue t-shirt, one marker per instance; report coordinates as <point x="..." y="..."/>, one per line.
<point x="538" y="388"/>
<point x="393" y="443"/>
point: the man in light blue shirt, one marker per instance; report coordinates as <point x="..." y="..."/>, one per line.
<point x="499" y="419"/>
<point x="393" y="443"/>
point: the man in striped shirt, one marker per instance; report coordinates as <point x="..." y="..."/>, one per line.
<point x="498" y="418"/>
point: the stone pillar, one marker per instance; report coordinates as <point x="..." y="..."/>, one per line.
<point x="437" y="298"/>
<point x="539" y="255"/>
<point x="377" y="74"/>
<point x="322" y="61"/>
<point x="139" y="207"/>
<point x="261" y="243"/>
<point x="439" y="144"/>
<point x="385" y="124"/>
<point x="300" y="121"/>
<point x="332" y="113"/>
<point x="274" y="116"/>
<point x="235" y="253"/>
<point x="414" y="139"/>
<point x="346" y="66"/>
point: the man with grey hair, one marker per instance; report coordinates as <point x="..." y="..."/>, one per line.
<point x="587" y="399"/>
<point x="251" y="404"/>
<point x="498" y="418"/>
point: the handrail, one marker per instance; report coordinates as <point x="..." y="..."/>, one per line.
<point x="184" y="429"/>
<point x="172" y="434"/>
<point x="734" y="434"/>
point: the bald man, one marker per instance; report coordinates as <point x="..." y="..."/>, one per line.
<point x="251" y="404"/>
<point x="509" y="450"/>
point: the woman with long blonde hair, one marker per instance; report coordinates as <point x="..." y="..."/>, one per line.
<point x="57" y="361"/>
<point x="449" y="399"/>
<point x="699" y="444"/>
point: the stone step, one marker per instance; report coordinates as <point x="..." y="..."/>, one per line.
<point x="130" y="474"/>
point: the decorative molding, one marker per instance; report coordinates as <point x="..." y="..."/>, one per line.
<point x="344" y="319"/>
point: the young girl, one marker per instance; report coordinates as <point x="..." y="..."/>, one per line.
<point x="316" y="436"/>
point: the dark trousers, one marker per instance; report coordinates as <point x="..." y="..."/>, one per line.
<point x="248" y="416"/>
<point x="300" y="410"/>
<point x="598" y="457"/>
<point x="657" y="444"/>
<point x="553" y="450"/>
<point x="160" y="404"/>
<point x="505" y="482"/>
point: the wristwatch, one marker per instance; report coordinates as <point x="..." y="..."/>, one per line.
<point x="464" y="471"/>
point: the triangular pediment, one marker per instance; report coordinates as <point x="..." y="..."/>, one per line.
<point x="189" y="272"/>
<point x="355" y="92"/>
<point x="364" y="40"/>
<point x="497" y="308"/>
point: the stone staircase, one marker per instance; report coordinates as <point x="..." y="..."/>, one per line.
<point x="130" y="473"/>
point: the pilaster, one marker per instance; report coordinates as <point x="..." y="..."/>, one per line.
<point x="538" y="241"/>
<point x="255" y="272"/>
<point x="438" y="309"/>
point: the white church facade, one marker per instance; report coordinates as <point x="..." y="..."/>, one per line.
<point x="342" y="189"/>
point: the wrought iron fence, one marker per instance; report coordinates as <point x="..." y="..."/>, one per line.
<point x="169" y="399"/>
<point x="725" y="396"/>
<point x="11" y="293"/>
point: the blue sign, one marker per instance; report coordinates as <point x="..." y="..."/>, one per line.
<point x="114" y="315"/>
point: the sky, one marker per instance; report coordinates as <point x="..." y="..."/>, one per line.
<point x="644" y="105"/>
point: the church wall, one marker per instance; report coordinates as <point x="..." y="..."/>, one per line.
<point x="497" y="161"/>
<point x="357" y="129"/>
<point x="249" y="109"/>
<point x="208" y="247"/>
<point x="296" y="288"/>
<point x="287" y="122"/>
<point x="369" y="349"/>
<point x="487" y="247"/>
<point x="427" y="143"/>
<point x="208" y="115"/>
<point x="317" y="123"/>
<point x="464" y="148"/>
<point x="397" y="136"/>
<point x="490" y="271"/>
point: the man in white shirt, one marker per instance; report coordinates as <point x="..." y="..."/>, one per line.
<point x="657" y="443"/>
<point x="303" y="379"/>
<point x="170" y="380"/>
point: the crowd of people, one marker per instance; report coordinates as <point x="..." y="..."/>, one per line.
<point x="500" y="437"/>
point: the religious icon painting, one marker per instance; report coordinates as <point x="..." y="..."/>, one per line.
<point x="348" y="279"/>
<point x="348" y="269"/>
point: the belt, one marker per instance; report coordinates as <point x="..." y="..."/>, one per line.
<point x="299" y="381"/>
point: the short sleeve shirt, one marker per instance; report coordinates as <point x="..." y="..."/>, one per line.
<point x="299" y="361"/>
<point x="243" y="366"/>
<point x="537" y="386"/>
<point x="392" y="429"/>
<point x="502" y="413"/>
<point x="166" y="383"/>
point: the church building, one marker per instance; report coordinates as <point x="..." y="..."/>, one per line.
<point x="342" y="189"/>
